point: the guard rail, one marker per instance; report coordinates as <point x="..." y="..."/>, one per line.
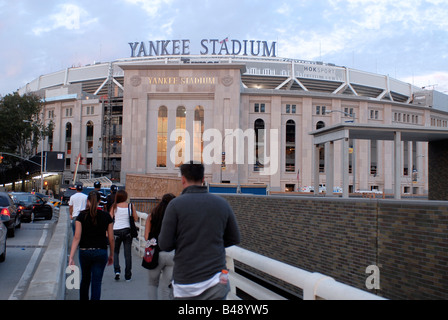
<point x="314" y="285"/>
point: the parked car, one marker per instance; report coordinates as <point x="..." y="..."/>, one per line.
<point x="32" y="206"/>
<point x="3" y="235"/>
<point x="322" y="188"/>
<point x="8" y="208"/>
<point x="66" y="195"/>
<point x="307" y="189"/>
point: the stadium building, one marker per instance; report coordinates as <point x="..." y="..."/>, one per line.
<point x="162" y="106"/>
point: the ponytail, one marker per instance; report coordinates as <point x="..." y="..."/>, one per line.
<point x="93" y="199"/>
<point x="158" y="213"/>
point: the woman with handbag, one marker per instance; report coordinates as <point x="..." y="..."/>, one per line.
<point x="162" y="264"/>
<point x="123" y="214"/>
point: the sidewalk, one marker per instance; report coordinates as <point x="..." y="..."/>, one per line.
<point x="136" y="289"/>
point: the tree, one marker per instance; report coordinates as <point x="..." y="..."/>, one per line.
<point x="21" y="126"/>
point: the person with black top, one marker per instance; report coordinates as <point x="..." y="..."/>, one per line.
<point x="110" y="199"/>
<point x="103" y="201"/>
<point x="160" y="277"/>
<point x="93" y="228"/>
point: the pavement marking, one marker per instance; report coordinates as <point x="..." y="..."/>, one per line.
<point x="22" y="285"/>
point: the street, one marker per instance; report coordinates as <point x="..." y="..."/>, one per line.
<point x="23" y="253"/>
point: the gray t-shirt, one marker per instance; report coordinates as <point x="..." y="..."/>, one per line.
<point x="199" y="226"/>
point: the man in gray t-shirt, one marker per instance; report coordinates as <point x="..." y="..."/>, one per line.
<point x="199" y="226"/>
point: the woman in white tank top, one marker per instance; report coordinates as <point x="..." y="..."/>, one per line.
<point x="120" y="212"/>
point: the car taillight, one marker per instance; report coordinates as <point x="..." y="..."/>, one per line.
<point x="21" y="207"/>
<point x="5" y="212"/>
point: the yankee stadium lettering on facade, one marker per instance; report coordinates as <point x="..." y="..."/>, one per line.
<point x="208" y="47"/>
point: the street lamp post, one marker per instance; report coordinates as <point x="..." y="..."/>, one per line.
<point x="352" y="115"/>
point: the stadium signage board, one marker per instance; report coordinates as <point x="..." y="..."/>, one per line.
<point x="208" y="47"/>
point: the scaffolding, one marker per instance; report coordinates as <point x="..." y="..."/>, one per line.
<point x="112" y="127"/>
<point x="88" y="183"/>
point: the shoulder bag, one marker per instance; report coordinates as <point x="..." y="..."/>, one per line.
<point x="134" y="229"/>
<point x="151" y="255"/>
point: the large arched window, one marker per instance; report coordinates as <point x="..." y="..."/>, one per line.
<point x="259" y="144"/>
<point x="68" y="138"/>
<point x="290" y="154"/>
<point x="89" y="136"/>
<point x="320" y="125"/>
<point x="181" y="126"/>
<point x="198" y="128"/>
<point x="162" y="136"/>
<point x="50" y="141"/>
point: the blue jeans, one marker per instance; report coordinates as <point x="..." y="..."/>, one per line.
<point x="93" y="263"/>
<point x="123" y="236"/>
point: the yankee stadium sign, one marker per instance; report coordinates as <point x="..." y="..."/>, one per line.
<point x="208" y="47"/>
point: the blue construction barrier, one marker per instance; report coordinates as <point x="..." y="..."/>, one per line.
<point x="233" y="189"/>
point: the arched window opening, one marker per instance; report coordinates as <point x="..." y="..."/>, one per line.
<point x="198" y="125"/>
<point x="320" y="125"/>
<point x="290" y="154"/>
<point x="181" y="126"/>
<point x="89" y="136"/>
<point x="162" y="136"/>
<point x="259" y="144"/>
<point x="68" y="138"/>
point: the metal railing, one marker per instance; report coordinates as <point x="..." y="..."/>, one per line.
<point x="314" y="285"/>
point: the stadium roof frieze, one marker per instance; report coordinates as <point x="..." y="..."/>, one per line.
<point x="280" y="75"/>
<point x="323" y="95"/>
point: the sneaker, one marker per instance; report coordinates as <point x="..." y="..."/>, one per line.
<point x="117" y="275"/>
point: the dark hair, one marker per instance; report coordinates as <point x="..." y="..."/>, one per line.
<point x="158" y="213"/>
<point x="93" y="198"/>
<point x="192" y="171"/>
<point x="120" y="196"/>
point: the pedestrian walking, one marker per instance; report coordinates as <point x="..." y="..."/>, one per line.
<point x="198" y="226"/>
<point x="121" y="212"/>
<point x="103" y="201"/>
<point x="77" y="202"/>
<point x="92" y="228"/>
<point x="110" y="199"/>
<point x="160" y="277"/>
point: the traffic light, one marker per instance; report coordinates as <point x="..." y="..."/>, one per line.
<point x="1" y="157"/>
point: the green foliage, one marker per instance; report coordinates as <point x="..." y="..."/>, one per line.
<point x="21" y="125"/>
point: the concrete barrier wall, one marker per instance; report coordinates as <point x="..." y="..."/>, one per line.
<point x="407" y="240"/>
<point x="48" y="282"/>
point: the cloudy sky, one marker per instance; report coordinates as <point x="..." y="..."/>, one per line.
<point x="407" y="40"/>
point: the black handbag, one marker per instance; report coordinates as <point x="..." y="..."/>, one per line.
<point x="134" y="229"/>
